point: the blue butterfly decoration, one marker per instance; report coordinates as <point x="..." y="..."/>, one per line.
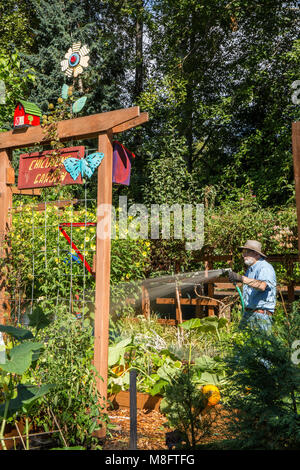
<point x="84" y="166"/>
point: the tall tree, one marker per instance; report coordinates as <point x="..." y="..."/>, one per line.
<point x="235" y="63"/>
<point x="59" y="24"/>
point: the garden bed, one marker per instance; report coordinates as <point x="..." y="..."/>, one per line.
<point x="144" y="401"/>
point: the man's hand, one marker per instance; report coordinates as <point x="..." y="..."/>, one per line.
<point x="235" y="277"/>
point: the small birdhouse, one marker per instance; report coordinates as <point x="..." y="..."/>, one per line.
<point x="26" y="114"/>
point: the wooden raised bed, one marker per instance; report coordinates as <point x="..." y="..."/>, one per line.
<point x="144" y="401"/>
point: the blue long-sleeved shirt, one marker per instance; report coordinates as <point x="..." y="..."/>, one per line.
<point x="254" y="298"/>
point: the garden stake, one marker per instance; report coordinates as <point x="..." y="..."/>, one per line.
<point x="20" y="435"/>
<point x="133" y="411"/>
<point x="58" y="427"/>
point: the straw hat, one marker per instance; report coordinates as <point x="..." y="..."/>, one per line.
<point x="254" y="246"/>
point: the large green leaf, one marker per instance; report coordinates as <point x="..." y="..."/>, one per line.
<point x="205" y="363"/>
<point x="191" y="324"/>
<point x="26" y="395"/>
<point x="210" y="327"/>
<point x="21" y="357"/>
<point x="167" y="371"/>
<point x="38" y="319"/>
<point x="222" y="322"/>
<point x="18" y="333"/>
<point x="158" y="387"/>
<point x="116" y="350"/>
<point x="208" y="378"/>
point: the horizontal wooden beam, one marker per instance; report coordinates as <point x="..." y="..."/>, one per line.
<point x="42" y="206"/>
<point x="166" y="301"/>
<point x="86" y="127"/>
<point x="131" y="123"/>
<point x="27" y="192"/>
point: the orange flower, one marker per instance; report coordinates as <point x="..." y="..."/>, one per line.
<point x="213" y="394"/>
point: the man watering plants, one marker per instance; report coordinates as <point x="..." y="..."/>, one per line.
<point x="259" y="287"/>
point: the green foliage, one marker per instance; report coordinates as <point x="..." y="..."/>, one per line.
<point x="153" y="366"/>
<point x="264" y="388"/>
<point x="18" y="393"/>
<point x="16" y="80"/>
<point x="240" y="217"/>
<point x="75" y="402"/>
<point x="15" y="26"/>
<point x="157" y="354"/>
<point x="40" y="261"/>
<point x="74" y="22"/>
<point x="185" y="407"/>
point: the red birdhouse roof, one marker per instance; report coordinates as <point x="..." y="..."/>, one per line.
<point x="30" y="108"/>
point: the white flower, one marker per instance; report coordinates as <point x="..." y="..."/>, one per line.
<point x="75" y="59"/>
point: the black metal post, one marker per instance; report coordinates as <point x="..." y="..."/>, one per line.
<point x="133" y="410"/>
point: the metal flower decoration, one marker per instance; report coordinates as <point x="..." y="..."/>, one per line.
<point x="75" y="60"/>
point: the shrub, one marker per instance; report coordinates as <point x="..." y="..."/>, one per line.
<point x="67" y="363"/>
<point x="264" y="388"/>
<point x="185" y="407"/>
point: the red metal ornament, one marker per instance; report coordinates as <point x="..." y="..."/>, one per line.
<point x="77" y="251"/>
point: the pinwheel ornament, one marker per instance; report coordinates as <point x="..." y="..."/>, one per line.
<point x="76" y="59"/>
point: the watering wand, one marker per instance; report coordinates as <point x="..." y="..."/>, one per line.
<point x="225" y="271"/>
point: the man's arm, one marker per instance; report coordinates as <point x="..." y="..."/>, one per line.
<point x="255" y="283"/>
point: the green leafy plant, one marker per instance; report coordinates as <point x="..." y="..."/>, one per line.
<point x="75" y="402"/>
<point x="263" y="387"/>
<point x="18" y="393"/>
<point x="39" y="262"/>
<point x="154" y="366"/>
<point x="186" y="408"/>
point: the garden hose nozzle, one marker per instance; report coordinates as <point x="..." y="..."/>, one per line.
<point x="225" y="271"/>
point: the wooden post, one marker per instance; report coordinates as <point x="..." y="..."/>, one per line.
<point x="102" y="295"/>
<point x="6" y="179"/>
<point x="145" y="302"/>
<point x="178" y="305"/>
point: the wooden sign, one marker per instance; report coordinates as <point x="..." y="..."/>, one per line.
<point x="42" y="169"/>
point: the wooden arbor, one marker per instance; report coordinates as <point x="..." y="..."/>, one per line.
<point x="101" y="126"/>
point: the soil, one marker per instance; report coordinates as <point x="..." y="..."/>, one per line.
<point x="152" y="428"/>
